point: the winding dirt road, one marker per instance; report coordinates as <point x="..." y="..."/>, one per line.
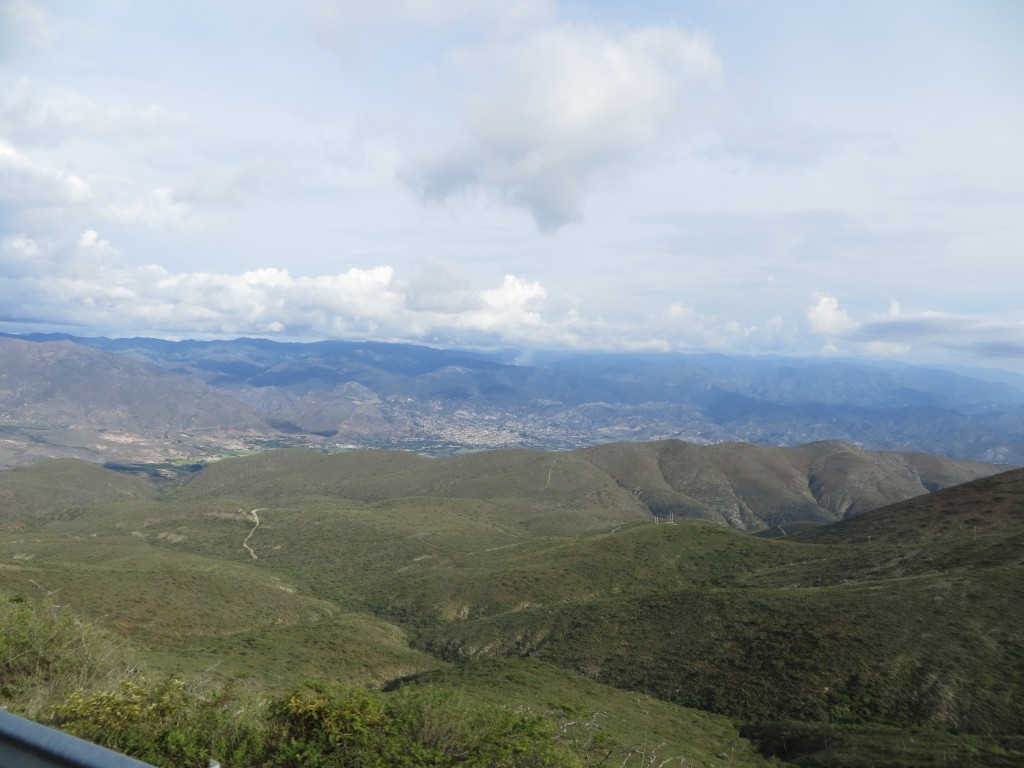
<point x="256" y="519"/>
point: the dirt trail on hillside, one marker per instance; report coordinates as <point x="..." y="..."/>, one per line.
<point x="550" y="471"/>
<point x="256" y="519"/>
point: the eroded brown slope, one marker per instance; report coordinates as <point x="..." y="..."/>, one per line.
<point x="993" y="504"/>
<point x="752" y="486"/>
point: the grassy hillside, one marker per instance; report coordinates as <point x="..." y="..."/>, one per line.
<point x="617" y="725"/>
<point x="750" y="486"/>
<point x="931" y="653"/>
<point x="61" y="488"/>
<point x="544" y="581"/>
<point x="990" y="505"/>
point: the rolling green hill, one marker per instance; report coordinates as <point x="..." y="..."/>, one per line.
<point x="986" y="506"/>
<point x="61" y="487"/>
<point x="748" y="487"/>
<point x="538" y="578"/>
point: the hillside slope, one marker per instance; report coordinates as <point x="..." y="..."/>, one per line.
<point x="992" y="505"/>
<point x="748" y="487"/>
<point x="383" y="567"/>
<point x="61" y="488"/>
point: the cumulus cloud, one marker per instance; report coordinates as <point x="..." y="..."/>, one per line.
<point x="510" y="306"/>
<point x="826" y="318"/>
<point x="541" y="116"/>
<point x="87" y="284"/>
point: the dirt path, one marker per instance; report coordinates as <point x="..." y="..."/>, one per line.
<point x="256" y="519"/>
<point x="548" y="483"/>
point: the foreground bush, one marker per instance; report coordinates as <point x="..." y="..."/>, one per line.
<point x="167" y="723"/>
<point x="171" y="724"/>
<point x="46" y="652"/>
<point x="83" y="680"/>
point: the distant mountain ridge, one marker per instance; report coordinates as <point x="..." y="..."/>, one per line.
<point x="368" y="394"/>
<point x="68" y="400"/>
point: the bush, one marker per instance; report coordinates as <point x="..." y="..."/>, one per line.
<point x="167" y="723"/>
<point x="82" y="678"/>
<point x="416" y="727"/>
<point x="173" y="724"/>
<point x="46" y="652"/>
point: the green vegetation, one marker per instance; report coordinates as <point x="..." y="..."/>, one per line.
<point x="524" y="590"/>
<point x="170" y="723"/>
<point x="77" y="676"/>
<point x="46" y="652"/>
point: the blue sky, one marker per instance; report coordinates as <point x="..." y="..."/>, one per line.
<point x="744" y="176"/>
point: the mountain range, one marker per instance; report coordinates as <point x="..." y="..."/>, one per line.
<point x="130" y="400"/>
<point x="394" y="515"/>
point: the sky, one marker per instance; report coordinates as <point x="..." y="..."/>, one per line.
<point x="794" y="177"/>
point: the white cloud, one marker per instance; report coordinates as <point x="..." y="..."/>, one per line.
<point x="85" y="283"/>
<point x="19" y="246"/>
<point x="514" y="294"/>
<point x="544" y="115"/>
<point x="28" y="187"/>
<point x="88" y="284"/>
<point x="826" y="318"/>
<point x="90" y="239"/>
<point x="679" y="311"/>
<point x="25" y="183"/>
<point x="512" y="311"/>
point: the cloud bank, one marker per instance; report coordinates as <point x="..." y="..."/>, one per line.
<point x="555" y="109"/>
<point x="88" y="285"/>
<point x="898" y="333"/>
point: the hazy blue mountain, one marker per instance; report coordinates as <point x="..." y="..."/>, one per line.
<point x="436" y="400"/>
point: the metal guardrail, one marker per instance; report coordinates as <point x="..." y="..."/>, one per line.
<point x="24" y="744"/>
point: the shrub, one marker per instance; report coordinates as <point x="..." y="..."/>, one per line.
<point x="170" y="723"/>
<point x="416" y="727"/>
<point x="46" y="652"/>
<point x="167" y="723"/>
